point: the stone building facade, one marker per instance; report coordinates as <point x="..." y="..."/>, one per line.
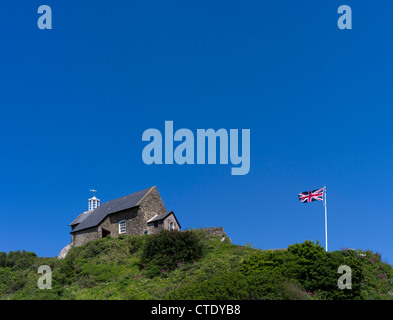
<point x="129" y="215"/>
<point x="166" y="221"/>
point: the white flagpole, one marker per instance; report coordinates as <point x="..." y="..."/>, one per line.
<point x="324" y="203"/>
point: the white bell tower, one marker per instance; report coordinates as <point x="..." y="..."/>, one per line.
<point x="94" y="202"/>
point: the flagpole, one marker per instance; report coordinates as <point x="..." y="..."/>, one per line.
<point x="324" y="203"/>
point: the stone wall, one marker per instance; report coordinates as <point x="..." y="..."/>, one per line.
<point x="218" y="231"/>
<point x="151" y="205"/>
<point x="163" y="225"/>
<point x="172" y="219"/>
<point x="81" y="237"/>
<point x="155" y="227"/>
<point x="133" y="220"/>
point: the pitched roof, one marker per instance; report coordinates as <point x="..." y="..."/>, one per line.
<point x="94" y="217"/>
<point x="81" y="217"/>
<point x="163" y="216"/>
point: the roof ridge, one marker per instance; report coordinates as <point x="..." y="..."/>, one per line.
<point x="127" y="195"/>
<point x="143" y="198"/>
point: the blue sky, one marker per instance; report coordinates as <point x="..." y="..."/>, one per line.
<point x="76" y="99"/>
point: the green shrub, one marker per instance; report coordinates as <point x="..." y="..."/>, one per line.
<point x="135" y="243"/>
<point x="233" y="286"/>
<point x="311" y="267"/>
<point x="17" y="259"/>
<point x="170" y="249"/>
<point x="95" y="248"/>
<point x="3" y="257"/>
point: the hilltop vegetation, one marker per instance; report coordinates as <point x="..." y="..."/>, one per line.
<point x="192" y="265"/>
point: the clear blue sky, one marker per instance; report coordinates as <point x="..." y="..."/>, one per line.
<point x="76" y="99"/>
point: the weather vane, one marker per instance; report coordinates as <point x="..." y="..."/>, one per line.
<point x="94" y="191"/>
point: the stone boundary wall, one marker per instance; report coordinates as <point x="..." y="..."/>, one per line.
<point x="217" y="231"/>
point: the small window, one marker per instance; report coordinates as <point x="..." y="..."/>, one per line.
<point x="122" y="226"/>
<point x="171" y="225"/>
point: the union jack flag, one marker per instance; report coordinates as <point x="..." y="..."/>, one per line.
<point x="309" y="196"/>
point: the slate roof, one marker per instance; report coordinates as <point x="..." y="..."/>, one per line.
<point x="94" y="217"/>
<point x="81" y="217"/>
<point x="163" y="216"/>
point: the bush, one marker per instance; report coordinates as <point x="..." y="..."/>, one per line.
<point x="17" y="259"/>
<point x="3" y="257"/>
<point x="311" y="267"/>
<point x="170" y="249"/>
<point x="233" y="286"/>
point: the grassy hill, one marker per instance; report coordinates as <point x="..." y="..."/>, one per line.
<point x="192" y="265"/>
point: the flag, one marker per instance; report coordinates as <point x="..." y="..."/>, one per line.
<point x="309" y="196"/>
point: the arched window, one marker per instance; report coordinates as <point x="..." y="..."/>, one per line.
<point x="170" y="225"/>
